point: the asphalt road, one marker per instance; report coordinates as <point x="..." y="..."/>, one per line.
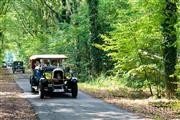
<point x="63" y="107"/>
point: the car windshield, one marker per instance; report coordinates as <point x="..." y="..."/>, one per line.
<point x="18" y="63"/>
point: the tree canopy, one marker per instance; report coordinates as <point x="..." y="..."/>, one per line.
<point x="137" y="40"/>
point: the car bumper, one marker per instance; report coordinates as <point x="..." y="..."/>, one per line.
<point x="56" y="88"/>
<point x="18" y="69"/>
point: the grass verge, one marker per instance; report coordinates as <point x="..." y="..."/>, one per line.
<point x="136" y="101"/>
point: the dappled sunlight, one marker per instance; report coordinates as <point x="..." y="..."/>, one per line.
<point x="28" y="95"/>
<point x="83" y="110"/>
<point x="148" y="106"/>
<point x="134" y="102"/>
<point x="8" y="94"/>
<point x="114" y="115"/>
<point x="90" y="59"/>
<point x="64" y="110"/>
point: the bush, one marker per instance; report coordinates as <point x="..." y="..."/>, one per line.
<point x="145" y="76"/>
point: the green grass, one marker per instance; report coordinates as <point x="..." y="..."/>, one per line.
<point x="105" y="87"/>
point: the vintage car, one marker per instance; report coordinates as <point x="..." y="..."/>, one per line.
<point x="49" y="75"/>
<point x="4" y="64"/>
<point x="17" y="66"/>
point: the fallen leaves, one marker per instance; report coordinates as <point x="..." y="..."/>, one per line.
<point x="12" y="106"/>
<point x="144" y="106"/>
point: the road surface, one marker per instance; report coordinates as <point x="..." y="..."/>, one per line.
<point x="63" y="107"/>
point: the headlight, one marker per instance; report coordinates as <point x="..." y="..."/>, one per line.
<point x="74" y="79"/>
<point x="68" y="75"/>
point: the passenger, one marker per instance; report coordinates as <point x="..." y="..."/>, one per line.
<point x="38" y="72"/>
<point x="33" y="65"/>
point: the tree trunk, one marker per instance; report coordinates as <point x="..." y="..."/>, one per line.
<point x="94" y="36"/>
<point x="169" y="46"/>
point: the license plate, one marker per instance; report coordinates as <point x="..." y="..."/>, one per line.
<point x="58" y="90"/>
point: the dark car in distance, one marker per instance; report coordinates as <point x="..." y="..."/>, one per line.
<point x="17" y="66"/>
<point x="4" y="64"/>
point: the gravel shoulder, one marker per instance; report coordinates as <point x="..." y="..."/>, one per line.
<point x="12" y="105"/>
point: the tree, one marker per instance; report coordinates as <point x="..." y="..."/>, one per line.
<point x="93" y="12"/>
<point x="134" y="43"/>
<point x="95" y="53"/>
<point x="4" y="5"/>
<point x="169" y="46"/>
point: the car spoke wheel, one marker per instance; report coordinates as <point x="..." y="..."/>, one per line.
<point x="74" y="90"/>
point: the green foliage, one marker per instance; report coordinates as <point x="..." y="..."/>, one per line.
<point x="135" y="44"/>
<point x="128" y="32"/>
<point x="145" y="76"/>
<point x="133" y="33"/>
<point x="36" y="27"/>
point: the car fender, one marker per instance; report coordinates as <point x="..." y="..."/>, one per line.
<point x="74" y="80"/>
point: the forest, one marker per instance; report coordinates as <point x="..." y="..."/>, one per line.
<point x="111" y="43"/>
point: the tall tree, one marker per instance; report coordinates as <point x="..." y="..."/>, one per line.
<point x="94" y="35"/>
<point x="169" y="46"/>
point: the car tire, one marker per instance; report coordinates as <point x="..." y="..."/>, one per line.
<point x="74" y="90"/>
<point x="32" y="89"/>
<point x="41" y="92"/>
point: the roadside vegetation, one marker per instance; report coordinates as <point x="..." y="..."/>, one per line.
<point x="139" y="101"/>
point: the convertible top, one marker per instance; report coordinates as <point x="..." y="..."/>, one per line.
<point x="48" y="56"/>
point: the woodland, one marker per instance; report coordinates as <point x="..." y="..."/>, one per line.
<point x="134" y="43"/>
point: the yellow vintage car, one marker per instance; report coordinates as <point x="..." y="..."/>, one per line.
<point x="49" y="75"/>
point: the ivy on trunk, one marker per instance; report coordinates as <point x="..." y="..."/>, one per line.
<point x="169" y="46"/>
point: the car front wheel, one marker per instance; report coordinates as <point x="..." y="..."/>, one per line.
<point x="41" y="92"/>
<point x="74" y="90"/>
<point x="32" y="89"/>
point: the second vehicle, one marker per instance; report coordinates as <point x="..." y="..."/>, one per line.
<point x="17" y="66"/>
